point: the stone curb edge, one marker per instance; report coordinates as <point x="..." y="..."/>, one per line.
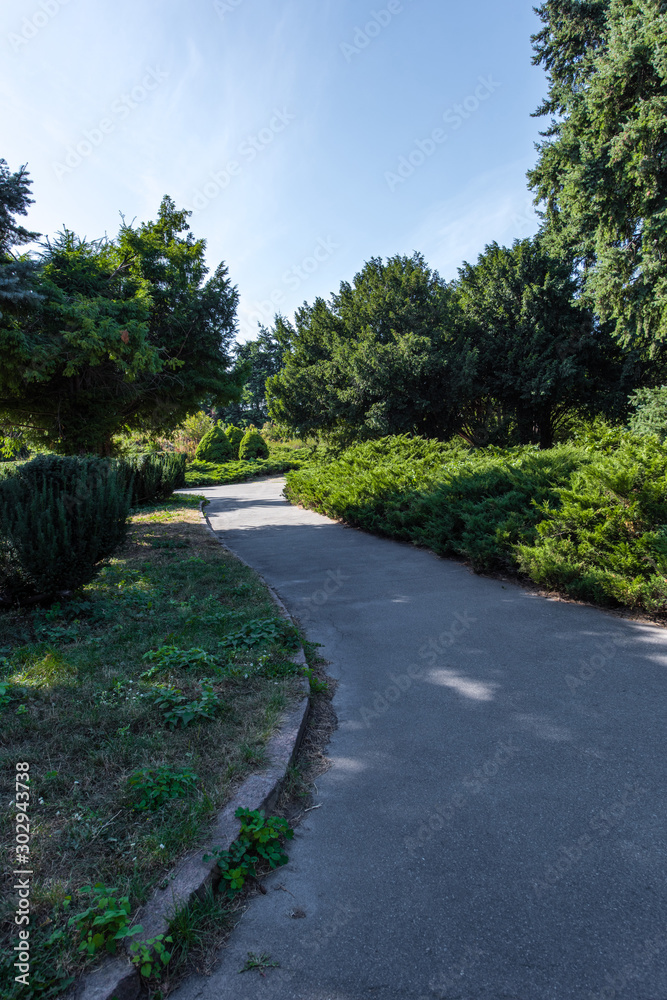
<point x="116" y="978"/>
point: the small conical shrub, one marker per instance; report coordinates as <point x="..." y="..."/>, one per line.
<point x="235" y="436"/>
<point x="253" y="446"/>
<point x="215" y="447"/>
<point x="59" y="517"/>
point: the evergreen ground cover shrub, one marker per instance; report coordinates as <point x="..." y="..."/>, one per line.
<point x="588" y="519"/>
<point x="210" y="474"/>
<point x="59" y="517"/>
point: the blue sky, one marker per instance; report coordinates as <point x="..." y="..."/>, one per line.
<point x="306" y="135"/>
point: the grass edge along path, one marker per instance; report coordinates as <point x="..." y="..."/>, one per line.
<point x="587" y="520"/>
<point x="141" y="704"/>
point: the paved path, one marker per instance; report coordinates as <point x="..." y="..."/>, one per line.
<point x="493" y="827"/>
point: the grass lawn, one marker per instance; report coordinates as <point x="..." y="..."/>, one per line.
<point x="131" y="756"/>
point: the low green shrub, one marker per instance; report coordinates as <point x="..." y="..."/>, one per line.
<point x="253" y="446"/>
<point x="209" y="474"/>
<point x="154" y="476"/>
<point x="152" y="787"/>
<point x="215" y="446"/>
<point x="259" y="840"/>
<point x="105" y="922"/>
<point x="234" y="435"/>
<point x="606" y="538"/>
<point x="59" y="518"/>
<point x="589" y="520"/>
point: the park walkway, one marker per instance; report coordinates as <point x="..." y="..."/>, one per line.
<point x="493" y="826"/>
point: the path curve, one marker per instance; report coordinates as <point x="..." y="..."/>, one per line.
<point x="493" y="826"/>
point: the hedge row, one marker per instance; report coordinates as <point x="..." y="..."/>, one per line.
<point x="61" y="516"/>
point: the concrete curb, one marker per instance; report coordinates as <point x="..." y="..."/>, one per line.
<point x="117" y="978"/>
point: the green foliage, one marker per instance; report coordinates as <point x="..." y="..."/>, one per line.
<point x="172" y="658"/>
<point x="316" y="685"/>
<point x="601" y="171"/>
<point x="105" y="922"/>
<point x="259" y="840"/>
<point x="16" y="273"/>
<point x="151" y="957"/>
<point x="257" y="631"/>
<point x="215" y="446"/>
<point x="235" y="436"/>
<point x="175" y="707"/>
<point x="59" y="517"/>
<point x="152" y="787"/>
<point x="253" y="446"/>
<point x="210" y="474"/>
<point x="376" y="359"/>
<point x="472" y="503"/>
<point x="259" y="962"/>
<point x="588" y="520"/>
<point x="539" y="355"/>
<point x="606" y="540"/>
<point x="118" y="333"/>
<point x="154" y="476"/>
<point x="650" y="416"/>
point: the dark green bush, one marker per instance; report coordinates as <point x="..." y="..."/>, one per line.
<point x="234" y="436"/>
<point x="59" y="517"/>
<point x="253" y="446"/>
<point x="154" y="476"/>
<point x="215" y="446"/>
<point x="606" y="539"/>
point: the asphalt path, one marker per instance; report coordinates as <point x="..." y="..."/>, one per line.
<point x="493" y="824"/>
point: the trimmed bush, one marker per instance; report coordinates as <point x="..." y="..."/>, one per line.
<point x="235" y="436"/>
<point x="215" y="447"/>
<point x="253" y="446"/>
<point x="59" y="517"/>
<point x="154" y="476"/>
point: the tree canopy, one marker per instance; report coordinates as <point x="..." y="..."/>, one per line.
<point x="539" y="354"/>
<point x="602" y="165"/>
<point x="119" y="333"/>
<point x="372" y="360"/>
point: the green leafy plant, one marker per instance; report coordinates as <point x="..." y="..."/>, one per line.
<point x="262" y="630"/>
<point x="105" y="922"/>
<point x="152" y="787"/>
<point x="259" y="840"/>
<point x="151" y="956"/>
<point x="173" y="658"/>
<point x="176" y="708"/>
<point x="316" y="685"/>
